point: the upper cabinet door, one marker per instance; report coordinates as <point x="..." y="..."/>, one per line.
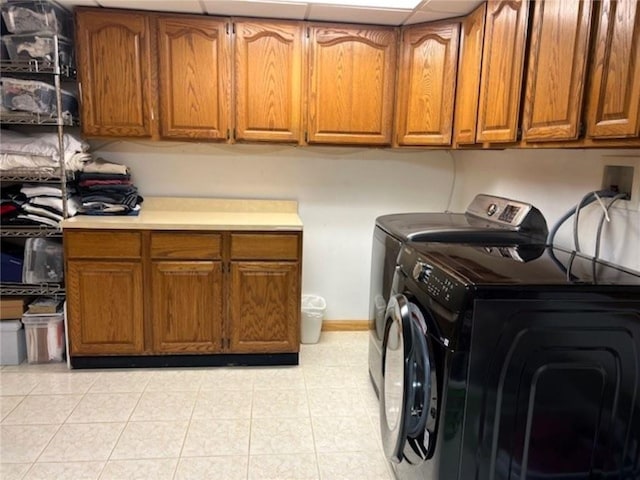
<point x="352" y="72"/>
<point x="114" y="67"/>
<point x="502" y="69"/>
<point x="427" y="84"/>
<point x="195" y="77"/>
<point x="468" y="85"/>
<point x="614" y="96"/>
<point x="556" y="70"/>
<point x="268" y="80"/>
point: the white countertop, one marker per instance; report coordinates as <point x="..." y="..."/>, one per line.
<point x="177" y="213"/>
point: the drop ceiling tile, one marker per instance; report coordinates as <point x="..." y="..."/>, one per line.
<point x="78" y="3"/>
<point x="422" y="17"/>
<point x="441" y="9"/>
<point x="295" y="11"/>
<point x="333" y="13"/>
<point x="182" y="6"/>
<point x="459" y="7"/>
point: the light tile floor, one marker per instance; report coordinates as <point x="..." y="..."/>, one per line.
<point x="318" y="420"/>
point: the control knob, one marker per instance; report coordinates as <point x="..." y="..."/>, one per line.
<point x="422" y="271"/>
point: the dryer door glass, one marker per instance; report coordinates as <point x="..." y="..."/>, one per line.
<point x="395" y="374"/>
<point x="406" y="389"/>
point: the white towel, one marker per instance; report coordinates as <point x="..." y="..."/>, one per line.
<point x="43" y="212"/>
<point x="55" y="345"/>
<point x="45" y="144"/>
<point x="73" y="203"/>
<point x="13" y="161"/>
<point x="76" y="161"/>
<point x="100" y="165"/>
<point x="39" y="190"/>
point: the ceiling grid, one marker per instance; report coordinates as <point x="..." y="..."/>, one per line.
<point x="399" y="12"/>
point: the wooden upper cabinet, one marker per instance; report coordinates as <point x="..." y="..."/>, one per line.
<point x="468" y="85"/>
<point x="351" y="84"/>
<point x="502" y="69"/>
<point x="268" y="63"/>
<point x="614" y="95"/>
<point x="194" y="60"/>
<point x="556" y="70"/>
<point x="114" y="68"/>
<point x="427" y="83"/>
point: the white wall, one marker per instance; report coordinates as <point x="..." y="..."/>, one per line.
<point x="555" y="181"/>
<point x="342" y="190"/>
<point x="340" y="193"/>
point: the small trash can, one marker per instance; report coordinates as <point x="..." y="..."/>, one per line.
<point x="313" y="308"/>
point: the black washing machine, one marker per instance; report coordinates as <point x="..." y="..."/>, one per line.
<point x="511" y="362"/>
<point x="488" y="219"/>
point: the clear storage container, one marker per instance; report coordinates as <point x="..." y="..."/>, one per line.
<point x="43" y="261"/>
<point x="39" y="46"/>
<point x="36" y="97"/>
<point x="44" y="336"/>
<point x="36" y="16"/>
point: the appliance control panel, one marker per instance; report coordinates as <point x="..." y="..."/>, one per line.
<point x="500" y="210"/>
<point x="440" y="286"/>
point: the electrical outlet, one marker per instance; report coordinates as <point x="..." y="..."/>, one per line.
<point x="618" y="178"/>
<point x="621" y="173"/>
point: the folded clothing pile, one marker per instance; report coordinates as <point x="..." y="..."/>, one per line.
<point x="36" y="204"/>
<point x="41" y="152"/>
<point x="105" y="188"/>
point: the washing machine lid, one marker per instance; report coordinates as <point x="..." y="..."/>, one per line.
<point x="405" y="226"/>
<point x="487" y="219"/>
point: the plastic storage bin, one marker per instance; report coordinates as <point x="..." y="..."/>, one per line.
<point x="44" y="335"/>
<point x="313" y="308"/>
<point x="36" y="97"/>
<point x="39" y="46"/>
<point x="43" y="261"/>
<point x="13" y="349"/>
<point x="36" y="16"/>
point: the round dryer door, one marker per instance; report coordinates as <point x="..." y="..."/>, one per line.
<point x="407" y="396"/>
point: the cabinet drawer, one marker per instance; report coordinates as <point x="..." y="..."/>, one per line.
<point x="261" y="246"/>
<point x="103" y="244"/>
<point x="185" y="245"/>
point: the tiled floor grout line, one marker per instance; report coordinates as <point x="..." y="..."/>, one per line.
<point x="124" y="427"/>
<point x="186" y="432"/>
<point x="321" y="370"/>
<point x="253" y="397"/>
<point x="33" y="464"/>
<point x="313" y="434"/>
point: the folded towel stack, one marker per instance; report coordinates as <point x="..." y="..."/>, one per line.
<point x="41" y="152"/>
<point x="106" y="189"/>
<point x="36" y="204"/>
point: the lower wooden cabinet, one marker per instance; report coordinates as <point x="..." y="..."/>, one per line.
<point x="183" y="293"/>
<point x="264" y="306"/>
<point x="105" y="301"/>
<point x="186" y="307"/>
